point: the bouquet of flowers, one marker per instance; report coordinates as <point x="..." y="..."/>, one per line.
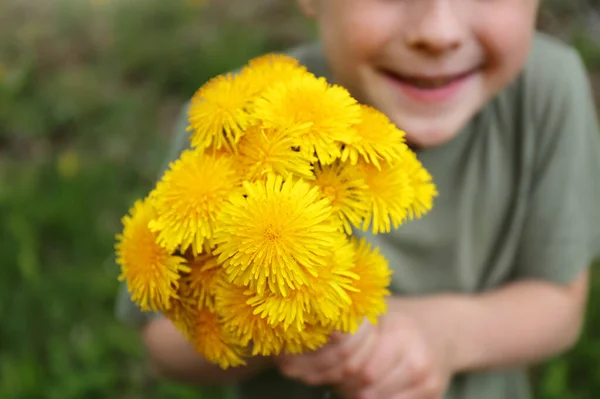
<point x="246" y="242"/>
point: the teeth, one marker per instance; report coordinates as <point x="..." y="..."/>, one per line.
<point x="429" y="83"/>
<point x="424" y="83"/>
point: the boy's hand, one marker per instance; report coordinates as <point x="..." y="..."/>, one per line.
<point x="330" y="365"/>
<point x="407" y="361"/>
<point x="398" y="358"/>
<point x="421" y="342"/>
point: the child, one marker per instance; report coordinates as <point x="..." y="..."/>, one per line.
<point x="494" y="279"/>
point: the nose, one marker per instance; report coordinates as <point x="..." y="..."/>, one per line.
<point x="434" y="28"/>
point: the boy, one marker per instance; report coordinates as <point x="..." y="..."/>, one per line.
<point x="494" y="279"/>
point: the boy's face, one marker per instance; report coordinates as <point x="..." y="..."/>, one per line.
<point x="430" y="65"/>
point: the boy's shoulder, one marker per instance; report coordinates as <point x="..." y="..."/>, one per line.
<point x="552" y="92"/>
<point x="552" y="61"/>
<point x="548" y="53"/>
<point x="554" y="76"/>
<point x="538" y="106"/>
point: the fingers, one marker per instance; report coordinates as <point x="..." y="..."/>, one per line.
<point x="328" y="364"/>
<point x="360" y="354"/>
<point x="395" y="382"/>
<point x="412" y="378"/>
<point x="351" y="370"/>
<point x="414" y="393"/>
<point x="381" y="360"/>
<point x="310" y="367"/>
<point x="429" y="389"/>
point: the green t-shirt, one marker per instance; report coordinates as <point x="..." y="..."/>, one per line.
<point x="517" y="191"/>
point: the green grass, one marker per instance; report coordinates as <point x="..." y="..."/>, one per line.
<point x="89" y="92"/>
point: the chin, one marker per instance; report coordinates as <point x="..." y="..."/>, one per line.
<point x="427" y="134"/>
<point x="431" y="128"/>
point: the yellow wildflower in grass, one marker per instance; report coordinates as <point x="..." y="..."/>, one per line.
<point x="203" y="278"/>
<point x="68" y="164"/>
<point x="368" y="297"/>
<point x="274" y="235"/>
<point x="422" y="184"/>
<point x="189" y="197"/>
<point x="344" y="186"/>
<point x="240" y="319"/>
<point x="151" y="271"/>
<point x="269" y="151"/>
<point x="327" y="111"/>
<point x="218" y="112"/>
<point x="215" y="342"/>
<point x="377" y="138"/>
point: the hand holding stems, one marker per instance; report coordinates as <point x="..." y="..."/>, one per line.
<point x="420" y="343"/>
<point x="395" y="359"/>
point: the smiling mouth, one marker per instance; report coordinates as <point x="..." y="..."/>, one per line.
<point x="428" y="82"/>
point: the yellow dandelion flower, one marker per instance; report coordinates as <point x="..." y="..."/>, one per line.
<point x="203" y="278"/>
<point x="269" y="151"/>
<point x="312" y="337"/>
<point x="215" y="343"/>
<point x="329" y="110"/>
<point x="188" y="199"/>
<point x="329" y="290"/>
<point x="368" y="298"/>
<point x="239" y="319"/>
<point x="281" y="310"/>
<point x="275" y="235"/>
<point x="182" y="310"/>
<point x="377" y="138"/>
<point x="218" y="111"/>
<point x="268" y="69"/>
<point x="391" y="194"/>
<point x="424" y="190"/>
<point x="322" y="298"/>
<point x="212" y="150"/>
<point x="151" y="271"/>
<point x="344" y="186"/>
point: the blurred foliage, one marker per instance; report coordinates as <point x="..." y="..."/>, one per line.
<point x="89" y="91"/>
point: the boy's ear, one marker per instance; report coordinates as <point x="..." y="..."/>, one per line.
<point x="308" y="7"/>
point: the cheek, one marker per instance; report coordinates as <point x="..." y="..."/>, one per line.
<point x="506" y="48"/>
<point x="355" y="31"/>
<point x="367" y="32"/>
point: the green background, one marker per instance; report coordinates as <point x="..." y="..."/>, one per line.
<point x="89" y="91"/>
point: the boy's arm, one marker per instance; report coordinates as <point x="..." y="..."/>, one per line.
<point x="420" y="343"/>
<point x="520" y="324"/>
<point x="171" y="356"/>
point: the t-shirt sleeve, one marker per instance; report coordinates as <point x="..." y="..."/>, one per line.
<point x="126" y="311"/>
<point x="561" y="234"/>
